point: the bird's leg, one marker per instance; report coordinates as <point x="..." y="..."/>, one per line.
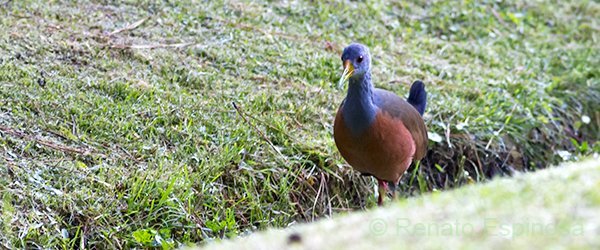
<point x="393" y="187"/>
<point x="383" y="186"/>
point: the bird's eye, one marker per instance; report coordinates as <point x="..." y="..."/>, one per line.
<point x="359" y="60"/>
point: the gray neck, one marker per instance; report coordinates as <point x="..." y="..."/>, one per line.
<point x="359" y="110"/>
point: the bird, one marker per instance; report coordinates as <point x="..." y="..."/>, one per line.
<point x="377" y="132"/>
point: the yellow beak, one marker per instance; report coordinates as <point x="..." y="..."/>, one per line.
<point x="348" y="71"/>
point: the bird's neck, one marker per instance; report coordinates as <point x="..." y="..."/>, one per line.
<point x="359" y="110"/>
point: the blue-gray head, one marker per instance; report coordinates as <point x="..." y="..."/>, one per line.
<point x="357" y="62"/>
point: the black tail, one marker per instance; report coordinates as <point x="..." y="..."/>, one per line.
<point x="418" y="96"/>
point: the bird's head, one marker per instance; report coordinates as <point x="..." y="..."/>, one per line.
<point x="357" y="62"/>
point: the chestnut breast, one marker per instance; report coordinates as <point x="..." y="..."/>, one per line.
<point x="385" y="149"/>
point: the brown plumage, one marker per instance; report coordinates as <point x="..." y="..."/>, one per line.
<point x="385" y="150"/>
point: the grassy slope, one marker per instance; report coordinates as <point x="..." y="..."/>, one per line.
<point x="108" y="145"/>
<point x="555" y="208"/>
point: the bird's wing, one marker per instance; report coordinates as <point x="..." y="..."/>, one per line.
<point x="398" y="108"/>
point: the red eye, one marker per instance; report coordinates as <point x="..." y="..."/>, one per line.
<point x="359" y="60"/>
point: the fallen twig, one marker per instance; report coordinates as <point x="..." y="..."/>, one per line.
<point x="241" y="113"/>
<point x="47" y="143"/>
<point x="299" y="208"/>
<point x="129" y="27"/>
<point x="151" y="46"/>
<point x="498" y="17"/>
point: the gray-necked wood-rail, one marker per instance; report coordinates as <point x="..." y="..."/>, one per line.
<point x="377" y="132"/>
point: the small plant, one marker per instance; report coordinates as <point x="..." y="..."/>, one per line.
<point x="224" y="225"/>
<point x="152" y="238"/>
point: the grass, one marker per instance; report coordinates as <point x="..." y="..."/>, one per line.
<point x="556" y="209"/>
<point x="118" y="129"/>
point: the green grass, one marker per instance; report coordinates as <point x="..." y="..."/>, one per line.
<point x="113" y="137"/>
<point x="553" y="208"/>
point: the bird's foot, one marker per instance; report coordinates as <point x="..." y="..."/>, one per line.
<point x="383" y="187"/>
<point x="393" y="187"/>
